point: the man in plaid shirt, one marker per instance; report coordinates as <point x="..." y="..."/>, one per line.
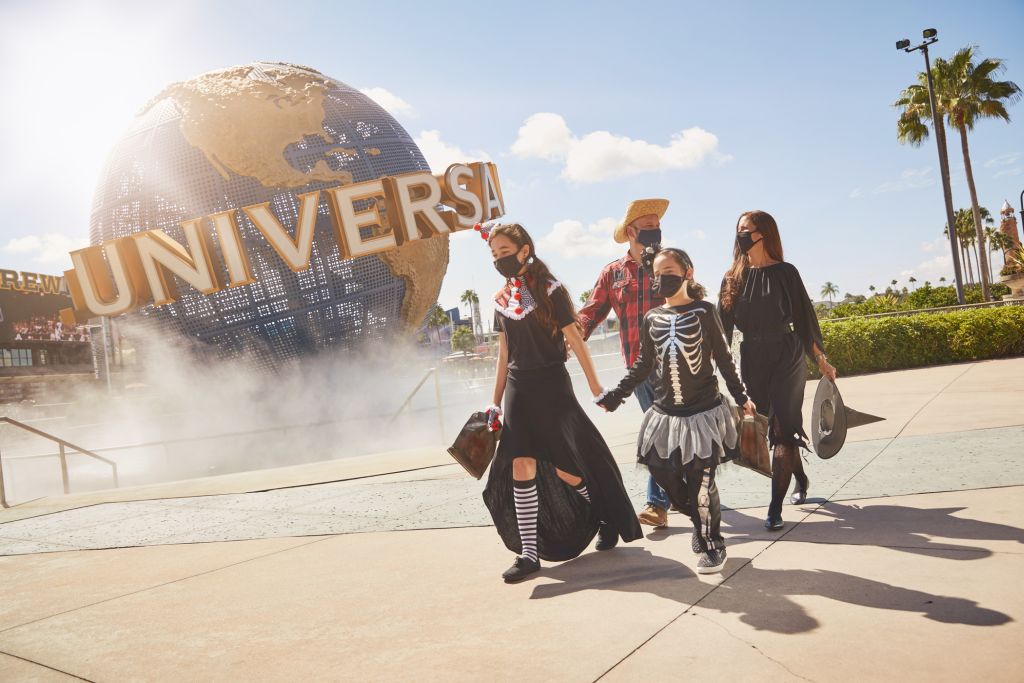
<point x="624" y="286"/>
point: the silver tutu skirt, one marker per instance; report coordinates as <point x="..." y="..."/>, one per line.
<point x="669" y="441"/>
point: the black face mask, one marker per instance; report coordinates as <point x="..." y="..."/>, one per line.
<point x="649" y="238"/>
<point x="508" y="266"/>
<point x="667" y="285"/>
<point x="746" y="241"/>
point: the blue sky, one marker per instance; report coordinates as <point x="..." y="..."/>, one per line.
<point x="783" y="107"/>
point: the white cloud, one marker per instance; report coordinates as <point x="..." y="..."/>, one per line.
<point x="1008" y="172"/>
<point x="930" y="270"/>
<point x="602" y="155"/>
<point x="47" y="250"/>
<point x="911" y="178"/>
<point x="698" y="234"/>
<point x="570" y="240"/>
<point x="1003" y="160"/>
<point x="394" y="104"/>
<point x="856" y="193"/>
<point x="439" y="154"/>
<point x="937" y="244"/>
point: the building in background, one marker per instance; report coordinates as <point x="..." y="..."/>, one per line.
<point x="33" y="340"/>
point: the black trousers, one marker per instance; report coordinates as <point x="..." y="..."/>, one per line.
<point x="694" y="492"/>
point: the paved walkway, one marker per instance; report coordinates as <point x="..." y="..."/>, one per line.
<point x="906" y="562"/>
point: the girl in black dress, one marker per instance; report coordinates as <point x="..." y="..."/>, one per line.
<point x="553" y="483"/>
<point x="764" y="297"/>
<point x="686" y="432"/>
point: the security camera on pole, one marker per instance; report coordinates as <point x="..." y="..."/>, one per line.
<point x="929" y="35"/>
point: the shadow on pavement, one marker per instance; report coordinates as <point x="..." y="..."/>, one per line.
<point x="763" y="596"/>
<point x="895" y="527"/>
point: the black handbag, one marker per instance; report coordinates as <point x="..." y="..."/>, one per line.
<point x="474" y="446"/>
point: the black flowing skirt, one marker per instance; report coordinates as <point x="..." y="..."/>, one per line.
<point x="775" y="375"/>
<point x="543" y="420"/>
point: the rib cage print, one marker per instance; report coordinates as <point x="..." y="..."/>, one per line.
<point x="675" y="335"/>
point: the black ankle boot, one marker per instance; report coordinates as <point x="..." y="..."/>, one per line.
<point x="520" y="569"/>
<point x="607" y="537"/>
<point x="799" y="496"/>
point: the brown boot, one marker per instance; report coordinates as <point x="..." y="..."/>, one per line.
<point x="653" y="515"/>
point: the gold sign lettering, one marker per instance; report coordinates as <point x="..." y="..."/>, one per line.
<point x="130" y="272"/>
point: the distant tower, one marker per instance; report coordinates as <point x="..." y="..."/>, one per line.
<point x="1008" y="224"/>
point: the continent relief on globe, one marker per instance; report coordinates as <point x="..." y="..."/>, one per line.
<point x="244" y="124"/>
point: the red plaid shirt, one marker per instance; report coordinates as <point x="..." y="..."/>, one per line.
<point x="625" y="288"/>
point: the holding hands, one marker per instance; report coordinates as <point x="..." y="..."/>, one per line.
<point x="610" y="399"/>
<point x="749" y="409"/>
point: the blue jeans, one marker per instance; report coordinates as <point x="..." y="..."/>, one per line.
<point x="655" y="494"/>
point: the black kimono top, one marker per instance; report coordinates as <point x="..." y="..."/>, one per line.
<point x="772" y="301"/>
<point x="530" y="345"/>
<point x="677" y="347"/>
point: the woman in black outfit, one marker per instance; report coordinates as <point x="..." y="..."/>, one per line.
<point x="553" y="483"/>
<point x="764" y="297"/>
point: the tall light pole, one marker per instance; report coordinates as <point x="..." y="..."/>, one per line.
<point x="940" y="139"/>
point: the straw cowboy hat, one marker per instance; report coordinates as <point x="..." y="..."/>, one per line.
<point x="638" y="208"/>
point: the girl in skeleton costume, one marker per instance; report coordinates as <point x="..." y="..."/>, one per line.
<point x="765" y="298"/>
<point x="684" y="435"/>
<point x="553" y="483"/>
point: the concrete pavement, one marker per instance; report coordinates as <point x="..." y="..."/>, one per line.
<point x="906" y="563"/>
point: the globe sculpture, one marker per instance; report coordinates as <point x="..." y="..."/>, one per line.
<point x="266" y="132"/>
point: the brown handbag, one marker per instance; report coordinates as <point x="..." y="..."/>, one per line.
<point x="475" y="444"/>
<point x="754" y="445"/>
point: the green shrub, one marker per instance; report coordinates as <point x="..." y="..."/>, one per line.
<point x="925" y="296"/>
<point x="858" y="345"/>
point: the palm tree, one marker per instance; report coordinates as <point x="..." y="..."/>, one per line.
<point x="470" y="298"/>
<point x="872" y="288"/>
<point x="964" y="221"/>
<point x="1002" y="242"/>
<point x="912" y="281"/>
<point x="585" y="297"/>
<point x="893" y="283"/>
<point x="829" y="290"/>
<point x="965" y="93"/>
<point x="436" y="319"/>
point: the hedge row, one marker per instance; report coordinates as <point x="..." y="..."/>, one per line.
<point x="859" y="345"/>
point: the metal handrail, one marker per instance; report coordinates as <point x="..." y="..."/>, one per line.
<point x="62" y="455"/>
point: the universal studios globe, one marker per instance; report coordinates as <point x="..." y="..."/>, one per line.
<point x="266" y="132"/>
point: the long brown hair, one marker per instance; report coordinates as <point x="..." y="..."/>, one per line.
<point x="537" y="275"/>
<point x="734" y="277"/>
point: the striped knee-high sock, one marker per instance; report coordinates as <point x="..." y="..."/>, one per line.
<point x="582" y="490"/>
<point x="527" y="504"/>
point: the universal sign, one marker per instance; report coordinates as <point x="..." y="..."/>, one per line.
<point x="124" y="274"/>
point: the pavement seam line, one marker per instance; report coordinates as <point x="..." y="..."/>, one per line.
<point x="45" y="666"/>
<point x="755" y="647"/>
<point x="165" y="583"/>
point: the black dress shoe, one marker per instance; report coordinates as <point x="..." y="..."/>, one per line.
<point x="607" y="537"/>
<point x="773" y="523"/>
<point x="520" y="569"/>
<point x="799" y="496"/>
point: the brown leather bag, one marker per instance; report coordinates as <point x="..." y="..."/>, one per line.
<point x="475" y="444"/>
<point x="754" y="453"/>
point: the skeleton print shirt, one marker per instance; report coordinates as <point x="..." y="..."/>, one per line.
<point x="679" y="349"/>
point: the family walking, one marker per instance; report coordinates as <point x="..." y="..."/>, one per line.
<point x="553" y="484"/>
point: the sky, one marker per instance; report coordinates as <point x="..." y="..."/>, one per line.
<point x="583" y="106"/>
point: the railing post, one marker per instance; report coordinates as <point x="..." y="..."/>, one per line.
<point x="3" y="493"/>
<point x="64" y="469"/>
<point x="437" y="396"/>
